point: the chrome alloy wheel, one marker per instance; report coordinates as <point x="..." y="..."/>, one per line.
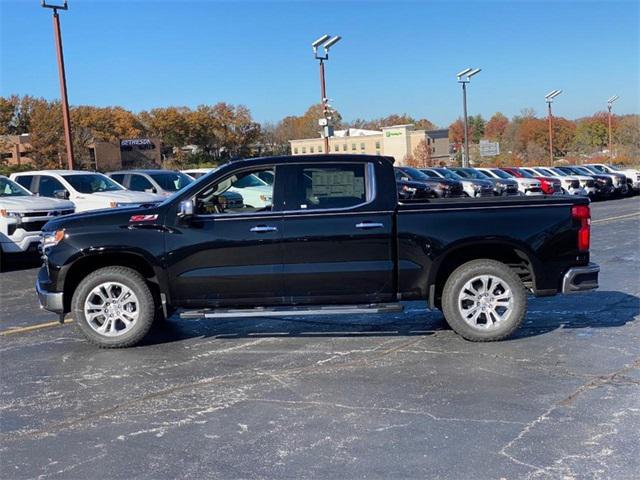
<point x="485" y="301"/>
<point x="111" y="309"/>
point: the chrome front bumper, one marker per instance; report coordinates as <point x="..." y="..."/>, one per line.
<point x="52" y="301"/>
<point x="579" y="279"/>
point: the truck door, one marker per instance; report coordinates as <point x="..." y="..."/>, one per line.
<point x="229" y="253"/>
<point x="337" y="247"/>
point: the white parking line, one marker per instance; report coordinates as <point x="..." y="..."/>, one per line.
<point x="619" y="217"/>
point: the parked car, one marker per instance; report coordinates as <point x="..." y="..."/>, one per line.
<point x="256" y="192"/>
<point x="587" y="182"/>
<point x="162" y="182"/>
<point x="87" y="190"/>
<point x="442" y="187"/>
<point x="470" y="187"/>
<point x="409" y="189"/>
<point x="501" y="186"/>
<point x="603" y="183"/>
<point x="549" y="185"/>
<point x="570" y="185"/>
<point x="22" y="216"/>
<point x="335" y="241"/>
<point x="632" y="176"/>
<point x="526" y="186"/>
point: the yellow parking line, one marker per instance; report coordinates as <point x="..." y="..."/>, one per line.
<point x="31" y="328"/>
<point x="619" y="217"/>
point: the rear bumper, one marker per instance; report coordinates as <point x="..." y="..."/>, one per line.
<point x="52" y="301"/>
<point x="580" y="279"/>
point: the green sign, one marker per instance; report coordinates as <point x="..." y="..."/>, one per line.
<point x="393" y="134"/>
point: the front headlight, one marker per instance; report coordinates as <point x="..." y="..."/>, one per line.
<point x="443" y="186"/>
<point x="51" y="239"/>
<point x="408" y="189"/>
<point x="476" y="186"/>
<point x="265" y="198"/>
<point x="7" y="214"/>
<point x="501" y="185"/>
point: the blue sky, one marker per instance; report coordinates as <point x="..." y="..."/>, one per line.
<point x="395" y="57"/>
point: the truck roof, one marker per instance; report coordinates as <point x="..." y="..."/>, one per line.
<point x="56" y="172"/>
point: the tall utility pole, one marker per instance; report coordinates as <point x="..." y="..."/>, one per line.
<point x="66" y="120"/>
<point x="549" y="99"/>
<point x="464" y="77"/>
<point x="326" y="42"/>
<point x="609" y="106"/>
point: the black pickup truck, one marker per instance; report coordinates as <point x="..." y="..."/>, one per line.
<point x="330" y="237"/>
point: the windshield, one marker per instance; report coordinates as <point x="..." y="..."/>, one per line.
<point x="544" y="171"/>
<point x="471" y="173"/>
<point x="559" y="172"/>
<point x="249" y="181"/>
<point x="92" y="183"/>
<point x="448" y="174"/>
<point x="9" y="188"/>
<point x="171" y="181"/>
<point x="581" y="170"/>
<point x="597" y="168"/>
<point x="614" y="168"/>
<point x="499" y="173"/>
<point x="591" y="170"/>
<point x="414" y="173"/>
<point x="524" y="173"/>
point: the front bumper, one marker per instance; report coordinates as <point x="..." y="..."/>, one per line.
<point x="52" y="301"/>
<point x="20" y="244"/>
<point x="580" y="279"/>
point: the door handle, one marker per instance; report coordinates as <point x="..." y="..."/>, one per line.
<point x="263" y="229"/>
<point x="367" y="225"/>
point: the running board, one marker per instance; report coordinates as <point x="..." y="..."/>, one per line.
<point x="293" y="311"/>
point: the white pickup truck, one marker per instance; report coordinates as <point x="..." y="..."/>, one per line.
<point x="87" y="190"/>
<point x="22" y="216"/>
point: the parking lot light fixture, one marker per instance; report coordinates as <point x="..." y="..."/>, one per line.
<point x="464" y="77"/>
<point x="549" y="99"/>
<point x="326" y="42"/>
<point x="66" y="119"/>
<point x="609" y="107"/>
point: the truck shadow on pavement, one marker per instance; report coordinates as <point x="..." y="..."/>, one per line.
<point x="594" y="310"/>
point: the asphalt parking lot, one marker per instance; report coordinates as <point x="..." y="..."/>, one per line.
<point x="389" y="396"/>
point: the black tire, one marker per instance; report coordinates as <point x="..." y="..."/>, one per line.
<point x="500" y="330"/>
<point x="146" y="306"/>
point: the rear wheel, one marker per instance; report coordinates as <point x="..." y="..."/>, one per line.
<point x="113" y="307"/>
<point x="484" y="301"/>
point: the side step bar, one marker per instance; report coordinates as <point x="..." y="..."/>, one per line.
<point x="293" y="311"/>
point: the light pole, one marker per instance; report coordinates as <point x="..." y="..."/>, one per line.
<point x="609" y="106"/>
<point x="66" y="120"/>
<point x="549" y="99"/>
<point x="326" y="42"/>
<point x="464" y="77"/>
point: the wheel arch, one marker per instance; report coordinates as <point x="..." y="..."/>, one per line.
<point x="92" y="261"/>
<point x="516" y="255"/>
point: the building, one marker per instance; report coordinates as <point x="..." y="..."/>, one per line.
<point x="398" y="141"/>
<point x="103" y="156"/>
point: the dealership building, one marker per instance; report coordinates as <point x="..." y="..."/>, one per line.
<point x="397" y="141"/>
<point x="103" y="156"/>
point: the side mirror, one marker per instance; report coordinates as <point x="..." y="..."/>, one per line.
<point x="151" y="190"/>
<point x="185" y="211"/>
<point x="61" y="194"/>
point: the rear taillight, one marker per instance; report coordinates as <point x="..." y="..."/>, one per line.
<point x="583" y="213"/>
<point x="546" y="186"/>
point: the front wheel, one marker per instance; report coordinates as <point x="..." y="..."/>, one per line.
<point x="484" y="301"/>
<point x="113" y="307"/>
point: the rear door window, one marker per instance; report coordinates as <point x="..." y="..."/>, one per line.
<point x="139" y="183"/>
<point x="320" y="187"/>
<point x="25" y="181"/>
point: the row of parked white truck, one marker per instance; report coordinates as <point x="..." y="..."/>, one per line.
<point x="29" y="199"/>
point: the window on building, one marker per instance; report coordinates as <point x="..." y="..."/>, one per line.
<point x="353" y="147"/>
<point x="320" y="149"/>
<point x="377" y="145"/>
<point x="304" y="149"/>
<point x="434" y="149"/>
<point x="295" y="151"/>
<point x="336" y="147"/>
<point x="310" y="149"/>
<point x="362" y="146"/>
<point x="344" y="147"/>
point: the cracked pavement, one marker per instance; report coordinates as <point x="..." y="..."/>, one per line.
<point x="386" y="396"/>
